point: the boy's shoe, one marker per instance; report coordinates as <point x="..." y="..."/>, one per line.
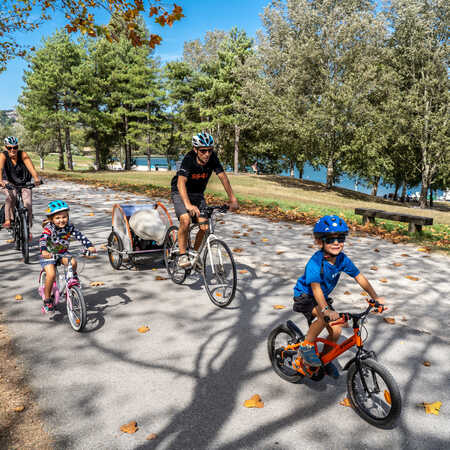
<point x="48" y="305"/>
<point x="331" y="370"/>
<point x="309" y="355"/>
<point x="183" y="262"/>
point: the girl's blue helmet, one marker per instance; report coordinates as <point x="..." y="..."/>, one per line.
<point x="202" y="139"/>
<point x="56" y="207"/>
<point x="330" y="225"/>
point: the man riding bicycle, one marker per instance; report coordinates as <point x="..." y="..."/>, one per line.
<point x="188" y="187"/>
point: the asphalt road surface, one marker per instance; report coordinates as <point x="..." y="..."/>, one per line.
<point x="186" y="379"/>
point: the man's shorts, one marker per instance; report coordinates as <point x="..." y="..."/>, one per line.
<point x="197" y="200"/>
<point x="54" y="259"/>
<point x="306" y="303"/>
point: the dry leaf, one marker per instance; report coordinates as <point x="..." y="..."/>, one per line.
<point x="97" y="283"/>
<point x="144" y="329"/>
<point x="373" y="268"/>
<point x="347" y="293"/>
<point x="346" y="402"/>
<point x="383" y="280"/>
<point x="390" y="320"/>
<point x="364" y="293"/>
<point x="264" y="239"/>
<point x="160" y="278"/>
<point x="91" y="214"/>
<point x="19" y="408"/>
<point x="9" y="241"/>
<point x="427" y="363"/>
<point x="411" y="278"/>
<point x="280" y="252"/>
<point x="129" y="428"/>
<point x="279" y="306"/>
<point x="423" y="249"/>
<point x="431" y="408"/>
<point x="404" y="319"/>
<point x="19" y="297"/>
<point x="405" y="255"/>
<point x="245" y="235"/>
<point x="376" y="250"/>
<point x="243" y="271"/>
<point x="237" y="237"/>
<point x="396" y="264"/>
<point x="387" y="397"/>
<point x="254" y="402"/>
<point x="238" y="250"/>
<point x="151" y="437"/>
<point x="253" y="242"/>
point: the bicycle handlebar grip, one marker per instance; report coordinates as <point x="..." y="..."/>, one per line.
<point x="378" y="306"/>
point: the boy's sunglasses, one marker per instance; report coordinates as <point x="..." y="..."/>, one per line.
<point x="331" y="240"/>
<point x="205" y="150"/>
<point x="15" y="147"/>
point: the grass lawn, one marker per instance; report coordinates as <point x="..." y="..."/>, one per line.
<point x="273" y="191"/>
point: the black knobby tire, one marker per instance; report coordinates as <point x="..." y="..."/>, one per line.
<point x="25" y="239"/>
<point x="17" y="231"/>
<point x="278" y="339"/>
<point x="387" y="404"/>
<point x="76" y="309"/>
<point x="170" y="252"/>
<point x="223" y="292"/>
<point x="115" y="245"/>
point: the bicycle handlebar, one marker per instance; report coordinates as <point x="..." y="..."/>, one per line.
<point x="346" y="316"/>
<point x="209" y="210"/>
<point x="15" y="187"/>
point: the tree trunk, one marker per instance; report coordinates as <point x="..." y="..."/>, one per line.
<point x="300" y="170"/>
<point x="237" y="132"/>
<point x="41" y="160"/>
<point x="397" y="187"/>
<point x="375" y="186"/>
<point x="330" y="172"/>
<point x="426" y="184"/>
<point x="431" y="196"/>
<point x="61" y="164"/>
<point x="97" y="144"/>
<point x="68" y="148"/>
<point x="149" y="152"/>
<point x="127" y="145"/>
<point x="403" y="197"/>
<point x="291" y="169"/>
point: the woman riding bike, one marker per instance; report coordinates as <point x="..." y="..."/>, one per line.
<point x="16" y="168"/>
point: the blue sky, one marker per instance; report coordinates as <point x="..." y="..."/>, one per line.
<point x="201" y="16"/>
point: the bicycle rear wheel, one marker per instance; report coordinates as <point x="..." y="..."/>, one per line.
<point x="374" y="393"/>
<point x="279" y="338"/>
<point x="76" y="309"/>
<point x="171" y="252"/>
<point x="25" y="239"/>
<point x="219" y="273"/>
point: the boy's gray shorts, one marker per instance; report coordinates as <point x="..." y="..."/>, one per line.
<point x="197" y="200"/>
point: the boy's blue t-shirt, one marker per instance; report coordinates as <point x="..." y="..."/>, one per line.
<point x="330" y="277"/>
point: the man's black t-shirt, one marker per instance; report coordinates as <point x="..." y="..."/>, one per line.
<point x="197" y="175"/>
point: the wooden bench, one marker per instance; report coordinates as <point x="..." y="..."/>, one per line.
<point x="415" y="222"/>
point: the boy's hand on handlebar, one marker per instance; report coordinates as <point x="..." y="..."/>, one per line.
<point x="332" y="315"/>
<point x="46" y="254"/>
<point x="378" y="304"/>
<point x="193" y="211"/>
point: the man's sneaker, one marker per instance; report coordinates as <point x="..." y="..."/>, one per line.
<point x="309" y="355"/>
<point x="183" y="262"/>
<point x="331" y="370"/>
<point x="48" y="306"/>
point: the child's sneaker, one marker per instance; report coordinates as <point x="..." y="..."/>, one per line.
<point x="48" y="305"/>
<point x="331" y="370"/>
<point x="183" y="262"/>
<point x="308" y="353"/>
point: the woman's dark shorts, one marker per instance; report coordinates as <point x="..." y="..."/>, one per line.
<point x="197" y="200"/>
<point x="306" y="303"/>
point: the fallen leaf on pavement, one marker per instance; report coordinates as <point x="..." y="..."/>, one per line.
<point x="390" y="320"/>
<point x="97" y="283"/>
<point x="253" y="242"/>
<point x="404" y="319"/>
<point x="151" y="437"/>
<point x="373" y="268"/>
<point x="19" y="297"/>
<point x="396" y="264"/>
<point x="19" y="408"/>
<point x="411" y="278"/>
<point x="431" y="408"/>
<point x="376" y="250"/>
<point x="264" y="239"/>
<point x="423" y="249"/>
<point x="129" y="428"/>
<point x="160" y="278"/>
<point x="347" y="293"/>
<point x="91" y="214"/>
<point x="346" y="402"/>
<point x="254" y="402"/>
<point x="427" y="363"/>
<point x="279" y="306"/>
<point x="236" y="236"/>
<point x="364" y="293"/>
<point x="144" y="329"/>
<point x="405" y="255"/>
<point x="383" y="280"/>
<point x="238" y="250"/>
<point x="280" y="252"/>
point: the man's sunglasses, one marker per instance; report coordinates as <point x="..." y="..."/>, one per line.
<point x="205" y="150"/>
<point x="15" y="147"/>
<point x="332" y="239"/>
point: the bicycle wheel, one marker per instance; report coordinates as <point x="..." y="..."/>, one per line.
<point x="76" y="309"/>
<point x="16" y="228"/>
<point x="219" y="273"/>
<point x="115" y="245"/>
<point x="25" y="239"/>
<point x="171" y="252"/>
<point x="378" y="401"/>
<point x="282" y="360"/>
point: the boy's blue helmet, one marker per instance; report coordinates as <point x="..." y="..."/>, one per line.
<point x="56" y="207"/>
<point x="202" y="139"/>
<point x="330" y="225"/>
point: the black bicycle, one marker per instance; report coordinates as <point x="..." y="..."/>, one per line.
<point x="214" y="259"/>
<point x="20" y="226"/>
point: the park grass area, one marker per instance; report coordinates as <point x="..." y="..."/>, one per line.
<point x="281" y="198"/>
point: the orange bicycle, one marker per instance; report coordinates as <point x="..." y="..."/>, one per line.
<point x="372" y="390"/>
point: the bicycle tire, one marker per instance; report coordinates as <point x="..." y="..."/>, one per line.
<point x="25" y="239"/>
<point x="393" y="401"/>
<point x="279" y="364"/>
<point x="220" y="297"/>
<point x="76" y="309"/>
<point x="115" y="258"/>
<point x="16" y="231"/>
<point x="177" y="274"/>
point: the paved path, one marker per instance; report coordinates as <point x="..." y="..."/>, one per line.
<point x="187" y="378"/>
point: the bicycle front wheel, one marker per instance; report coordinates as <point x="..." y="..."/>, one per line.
<point x="374" y="393"/>
<point x="76" y="309"/>
<point x="17" y="231"/>
<point x="25" y="232"/>
<point x="219" y="273"/>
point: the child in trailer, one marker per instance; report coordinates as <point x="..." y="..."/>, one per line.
<point x="311" y="293"/>
<point x="54" y="245"/>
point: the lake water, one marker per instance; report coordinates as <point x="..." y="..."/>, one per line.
<point x="309" y="173"/>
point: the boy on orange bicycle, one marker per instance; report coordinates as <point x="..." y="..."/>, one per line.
<point x="311" y="293"/>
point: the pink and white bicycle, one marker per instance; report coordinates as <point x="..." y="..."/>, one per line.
<point x="67" y="287"/>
